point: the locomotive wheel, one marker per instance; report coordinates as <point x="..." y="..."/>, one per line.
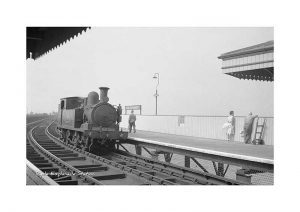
<point x="87" y="142"/>
<point x="81" y="142"/>
<point x="63" y="134"/>
<point x="68" y="137"/>
<point x="96" y="147"/>
<point x="91" y="147"/>
<point x="59" y="133"/>
<point x="75" y="139"/>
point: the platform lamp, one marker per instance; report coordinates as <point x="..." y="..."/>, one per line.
<point x="156" y="76"/>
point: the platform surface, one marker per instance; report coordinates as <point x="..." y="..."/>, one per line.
<point x="263" y="153"/>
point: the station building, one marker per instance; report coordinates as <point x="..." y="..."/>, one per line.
<point x="252" y="63"/>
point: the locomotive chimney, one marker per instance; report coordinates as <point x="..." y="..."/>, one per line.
<point x="103" y="94"/>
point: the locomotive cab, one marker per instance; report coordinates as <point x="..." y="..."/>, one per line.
<point x="70" y="113"/>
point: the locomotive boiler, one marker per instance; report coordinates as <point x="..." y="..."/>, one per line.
<point x="90" y="123"/>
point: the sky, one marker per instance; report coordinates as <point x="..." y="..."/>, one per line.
<point x="125" y="60"/>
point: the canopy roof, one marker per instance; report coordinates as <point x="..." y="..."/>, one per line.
<point x="253" y="62"/>
<point x="41" y="40"/>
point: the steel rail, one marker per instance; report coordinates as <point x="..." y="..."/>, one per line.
<point x="31" y="168"/>
<point x="122" y="167"/>
<point x="197" y="176"/>
<point x="179" y="171"/>
<point x="44" y="178"/>
<point x="59" y="161"/>
<point x="34" y="122"/>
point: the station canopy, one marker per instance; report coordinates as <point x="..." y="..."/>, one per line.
<point x="41" y="40"/>
<point x="253" y="62"/>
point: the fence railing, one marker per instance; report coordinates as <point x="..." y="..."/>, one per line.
<point x="198" y="126"/>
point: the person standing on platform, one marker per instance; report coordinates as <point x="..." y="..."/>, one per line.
<point x="131" y="122"/>
<point x="230" y="126"/>
<point x="248" y="125"/>
<point x="119" y="112"/>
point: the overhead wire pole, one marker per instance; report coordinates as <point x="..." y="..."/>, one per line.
<point x="156" y="76"/>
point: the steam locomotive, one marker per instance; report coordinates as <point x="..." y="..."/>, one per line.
<point x="90" y="123"/>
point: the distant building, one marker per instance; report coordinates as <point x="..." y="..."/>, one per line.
<point x="253" y="62"/>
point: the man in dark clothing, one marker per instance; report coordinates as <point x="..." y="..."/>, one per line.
<point x="131" y="122"/>
<point x="248" y="124"/>
<point x="119" y="112"/>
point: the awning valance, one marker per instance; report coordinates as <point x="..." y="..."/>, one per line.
<point x="254" y="62"/>
<point x="41" y="40"/>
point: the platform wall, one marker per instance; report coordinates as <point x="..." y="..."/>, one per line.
<point x="198" y="126"/>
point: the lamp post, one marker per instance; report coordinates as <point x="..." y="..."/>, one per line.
<point x="156" y="76"/>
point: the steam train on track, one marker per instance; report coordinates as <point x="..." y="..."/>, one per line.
<point x="90" y="123"/>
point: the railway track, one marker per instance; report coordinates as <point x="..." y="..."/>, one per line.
<point x="68" y="165"/>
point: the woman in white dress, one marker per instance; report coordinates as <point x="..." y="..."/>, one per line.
<point x="230" y="125"/>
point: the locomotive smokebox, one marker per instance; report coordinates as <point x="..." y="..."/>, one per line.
<point x="103" y="94"/>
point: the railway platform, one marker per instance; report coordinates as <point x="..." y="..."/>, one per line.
<point x="246" y="158"/>
<point x="263" y="153"/>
